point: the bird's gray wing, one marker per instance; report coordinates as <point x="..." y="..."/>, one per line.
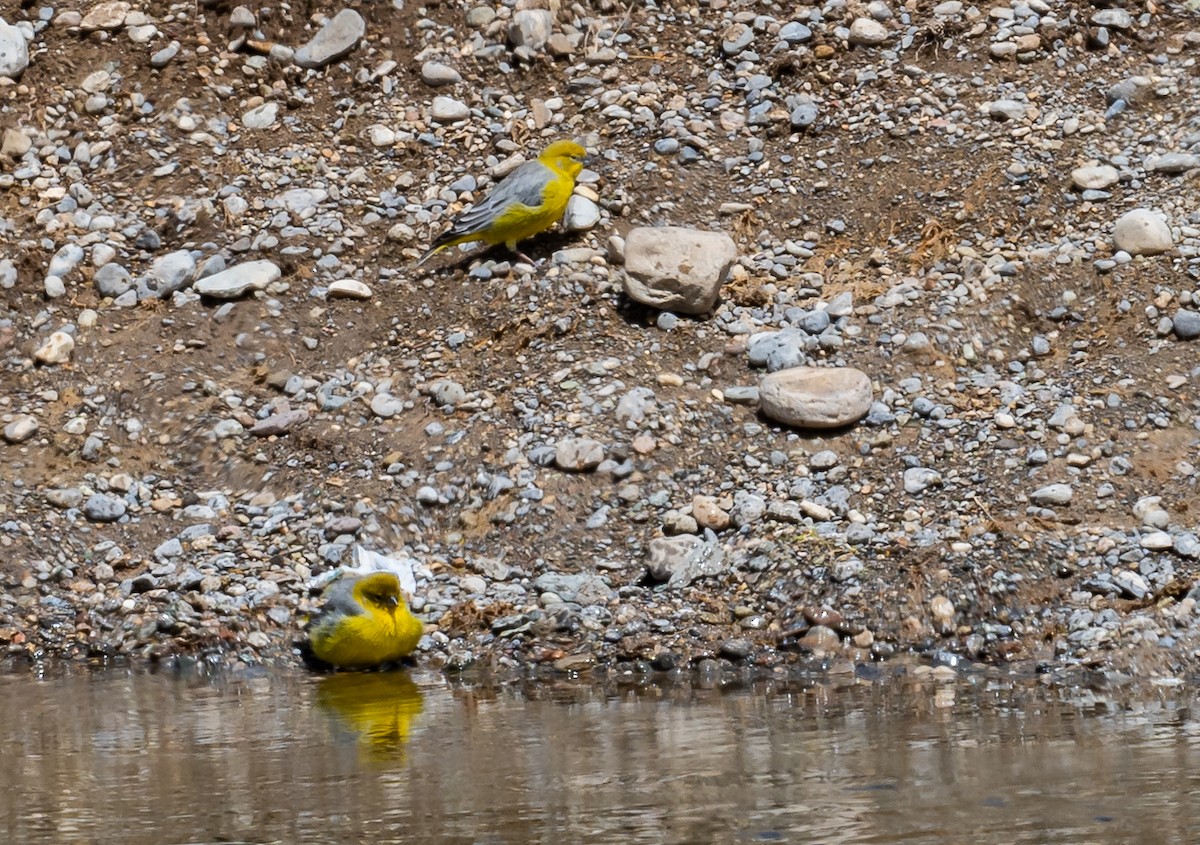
<point x="524" y="185"/>
<point x="339" y="600"/>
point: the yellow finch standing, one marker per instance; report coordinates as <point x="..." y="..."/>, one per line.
<point x="365" y="622"/>
<point x="529" y="200"/>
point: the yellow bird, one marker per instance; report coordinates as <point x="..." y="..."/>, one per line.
<point x="365" y="622"/>
<point x="530" y="200"/>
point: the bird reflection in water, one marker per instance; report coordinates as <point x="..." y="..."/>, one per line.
<point x="379" y="708"/>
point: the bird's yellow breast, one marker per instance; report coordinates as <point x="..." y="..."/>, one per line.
<point x="370" y="638"/>
<point x="519" y="222"/>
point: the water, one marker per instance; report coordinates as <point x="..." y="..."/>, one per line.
<point x="153" y="759"/>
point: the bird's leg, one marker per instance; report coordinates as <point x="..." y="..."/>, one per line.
<point x="513" y="249"/>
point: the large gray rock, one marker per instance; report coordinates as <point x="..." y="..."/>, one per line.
<point x="232" y="283"/>
<point x="14" y="52"/>
<point x="816" y="397"/>
<point x="677" y="269"/>
<point x="337" y="38"/>
<point x="1142" y="232"/>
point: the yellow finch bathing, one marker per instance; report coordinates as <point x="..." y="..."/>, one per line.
<point x="365" y="622"/>
<point x="530" y="200"/>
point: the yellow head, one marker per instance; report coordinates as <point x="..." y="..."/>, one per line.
<point x="564" y="156"/>
<point x="379" y="590"/>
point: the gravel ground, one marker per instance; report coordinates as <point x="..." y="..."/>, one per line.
<point x="220" y="370"/>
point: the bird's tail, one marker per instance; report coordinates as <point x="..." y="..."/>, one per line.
<point x="449" y="238"/>
<point x="432" y="251"/>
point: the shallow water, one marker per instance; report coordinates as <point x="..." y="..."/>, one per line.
<point x="143" y="759"/>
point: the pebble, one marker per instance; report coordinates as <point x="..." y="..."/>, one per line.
<point x="162" y="58"/>
<point x="1007" y="110"/>
<point x="868" y="32"/>
<point x="741" y="394"/>
<point x="803" y="115"/>
<point x="1112" y="18"/>
<point x="816" y="397"/>
<point x="676" y="269"/>
<point x="1186" y="324"/>
<point x="261" y="117"/>
<point x="795" y="32"/>
<point x="14" y="144"/>
<point x="339" y="37"/>
<point x="108" y="15"/>
<point x="348" y="289"/>
<point x="1157" y="541"/>
<point x="1095" y="177"/>
<point x="280" y="423"/>
<point x="437" y="74"/>
<point x="101" y="507"/>
<point x="920" y="479"/>
<point x="172" y="272"/>
<point x="684" y="559"/>
<point x="1173" y="163"/>
<point x="578" y="454"/>
<point x="530" y="28"/>
<point x="54" y="287"/>
<point x="449" y="110"/>
<point x="14" y="51"/>
<point x="709" y="514"/>
<point x="56" y="349"/>
<point x="1052" y="494"/>
<point x="65" y="497"/>
<point x="1142" y="232"/>
<point x="242" y="17"/>
<point x="386" y="406"/>
<point x="237" y="280"/>
<point x="21" y="429"/>
<point x="736" y="38"/>
<point x="582" y="215"/>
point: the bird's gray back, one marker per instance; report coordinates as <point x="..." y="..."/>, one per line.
<point x="525" y="185"/>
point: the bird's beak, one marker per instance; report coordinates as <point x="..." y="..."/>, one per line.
<point x="393" y="602"/>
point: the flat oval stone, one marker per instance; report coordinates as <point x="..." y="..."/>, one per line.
<point x="349" y="289"/>
<point x="816" y="397"/>
<point x="337" y="38"/>
<point x="232" y="283"/>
